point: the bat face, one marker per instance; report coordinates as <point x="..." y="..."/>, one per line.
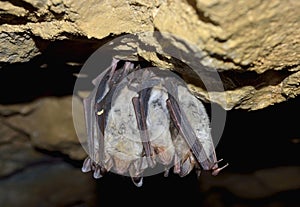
<point x="137" y="118"/>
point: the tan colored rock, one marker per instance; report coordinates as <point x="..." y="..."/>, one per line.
<point x="14" y="11"/>
<point x="244" y="37"/>
<point x="27" y="22"/>
<point x="99" y="19"/>
<point x="291" y="85"/>
<point x="50" y="126"/>
<point x="253" y="36"/>
<point x="16" y="48"/>
<point x="259" y="35"/>
<point x="16" y="152"/>
<point x="22" y="109"/>
<point x="17" y="156"/>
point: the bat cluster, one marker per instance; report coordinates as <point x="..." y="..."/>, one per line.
<point x="139" y="118"/>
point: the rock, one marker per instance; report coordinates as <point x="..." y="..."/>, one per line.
<point x="260" y="184"/>
<point x="17" y="156"/>
<point x="50" y="126"/>
<point x="52" y="184"/>
<point x="99" y="19"/>
<point x="16" y="152"/>
<point x="21" y="109"/>
<point x="7" y="135"/>
<point x="253" y="45"/>
<point x="16" y="48"/>
<point x="11" y="11"/>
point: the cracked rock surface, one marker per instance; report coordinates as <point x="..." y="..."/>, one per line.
<point x="254" y="46"/>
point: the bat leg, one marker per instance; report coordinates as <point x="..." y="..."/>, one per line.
<point x="137" y="181"/>
<point x="97" y="172"/>
<point x="176" y="168"/>
<point x="186" y="165"/>
<point x="216" y="170"/>
<point x="167" y="171"/>
<point x="185" y="129"/>
<point x="140" y="113"/>
<point x="197" y="170"/>
<point x="89" y="165"/>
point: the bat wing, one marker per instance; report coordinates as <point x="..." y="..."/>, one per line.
<point x="184" y="111"/>
<point x="197" y="120"/>
<point x="89" y="104"/>
<point x="91" y="125"/>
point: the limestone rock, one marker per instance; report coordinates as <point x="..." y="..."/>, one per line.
<point x="18" y="156"/>
<point x="16" y="152"/>
<point x="249" y="43"/>
<point x="50" y="126"/>
<point x="48" y="184"/>
<point x="21" y="109"/>
<point x="254" y="47"/>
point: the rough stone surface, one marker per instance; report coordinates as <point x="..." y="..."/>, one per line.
<point x="16" y="151"/>
<point x="49" y="125"/>
<point x="253" y="45"/>
<point x="249" y="43"/>
<point x="56" y="184"/>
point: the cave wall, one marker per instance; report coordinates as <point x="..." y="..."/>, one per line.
<point x="254" y="46"/>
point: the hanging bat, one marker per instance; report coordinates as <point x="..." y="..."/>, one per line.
<point x="137" y="118"/>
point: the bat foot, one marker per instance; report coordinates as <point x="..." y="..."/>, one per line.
<point x="216" y="170"/>
<point x="87" y="165"/>
<point x="198" y="173"/>
<point x="167" y="171"/>
<point x="97" y="173"/>
<point x="137" y="181"/>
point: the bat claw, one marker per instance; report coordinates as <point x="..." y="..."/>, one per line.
<point x="217" y="170"/>
<point x="87" y="165"/>
<point x="97" y="173"/>
<point x="137" y="181"/>
<point x="220" y="160"/>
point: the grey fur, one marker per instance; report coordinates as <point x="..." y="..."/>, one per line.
<point x="121" y="148"/>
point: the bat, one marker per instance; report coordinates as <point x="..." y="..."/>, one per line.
<point x="139" y="118"/>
